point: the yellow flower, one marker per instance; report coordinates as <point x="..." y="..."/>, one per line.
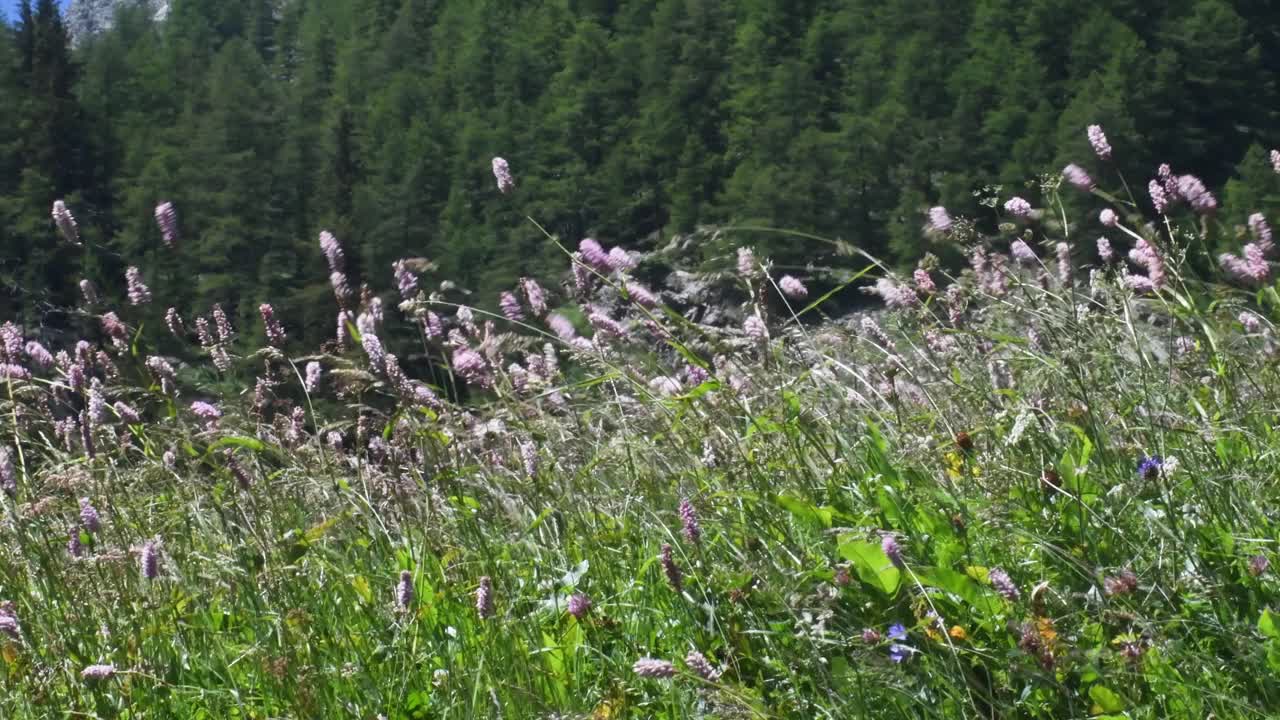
<point x="958" y="633"/>
<point x="1045" y="627"/>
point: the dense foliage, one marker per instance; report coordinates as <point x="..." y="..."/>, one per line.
<point x="265" y="122"/>
<point x="1040" y="488"/>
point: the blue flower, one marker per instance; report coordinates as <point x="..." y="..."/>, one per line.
<point x="1148" y="467"/>
<point x="899" y="653"/>
<point x="897" y="632"/>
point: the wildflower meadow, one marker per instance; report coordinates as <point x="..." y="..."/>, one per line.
<point x="1039" y="485"/>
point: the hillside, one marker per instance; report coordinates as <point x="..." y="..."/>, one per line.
<point x="1036" y="488"/>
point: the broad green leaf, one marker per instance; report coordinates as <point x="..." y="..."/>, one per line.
<point x="959" y="584"/>
<point x="872" y="565"/>
<point x="1106" y="699"/>
<point x="248" y="443"/>
<point x="1267" y="625"/>
<point x="805" y="511"/>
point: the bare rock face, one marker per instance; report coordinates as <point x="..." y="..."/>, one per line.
<point x="86" y="18"/>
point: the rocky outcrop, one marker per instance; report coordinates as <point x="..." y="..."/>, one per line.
<point x="87" y="17"/>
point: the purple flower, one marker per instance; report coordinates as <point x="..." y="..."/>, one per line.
<point x="1251" y="322"/>
<point x="872" y="330"/>
<point x="406" y="281"/>
<point x="221" y="324"/>
<point x="88" y="292"/>
<point x="1191" y="189"/>
<point x="167" y="220"/>
<point x="747" y="265"/>
<point x="1023" y="253"/>
<point x="1149" y="467"/>
<point x="1104" y="250"/>
<point x="332" y="250"/>
<point x="689" y="519"/>
<point x="1164" y="174"/>
<point x="594" y="255"/>
<point x="871" y="636"/>
<point x="924" y="283"/>
<point x="39" y="355"/>
<point x="1261" y="232"/>
<point x="341" y="290"/>
<point x="674" y="576"/>
<point x="404" y="590"/>
<point x="1275" y="160"/>
<point x="115" y="330"/>
<point x="174" y="321"/>
<point x="1018" y="207"/>
<point x="74" y="548"/>
<point x="205" y="411"/>
<point x="1109" y="218"/>
<point x="484" y="598"/>
<point x="897" y="632"/>
<point x="10" y="341"/>
<point x="561" y="326"/>
<point x="1099" y="142"/>
<point x="755" y="328"/>
<point x="10" y="371"/>
<point x="939" y="220"/>
<point x="96" y="404"/>
<point x="1258" y="564"/>
<point x="651" y="668"/>
<point x="66" y="222"/>
<point x="607" y="326"/>
<point x="432" y="325"/>
<point x="139" y="294"/>
<point x="472" y="367"/>
<point x="1063" y="252"/>
<point x="793" y="288"/>
<point x="1252" y="268"/>
<point x="202" y="332"/>
<point x="510" y="306"/>
<point x="529" y="458"/>
<point x="641" y="295"/>
<point x="9" y="622"/>
<point x="502" y="174"/>
<point x="893" y="550"/>
<point x="1159" y="198"/>
<point x="1144" y="255"/>
<point x="695" y="375"/>
<point x="1003" y="584"/>
<point x="534" y="295"/>
<point x="900" y="653"/>
<point x="373" y="348"/>
<point x="621" y="260"/>
<point x="1077" y="176"/>
<point x="581" y="273"/>
<point x="271" y="325"/>
<point x="89" y="519"/>
<point x="893" y="294"/>
<point x="98" y="672"/>
<point x="579" y="605"/>
<point x="127" y="413"/>
<point x="8" y="476"/>
<point x="697" y="662"/>
<point x="150" y="560"/>
<point x="312" y="382"/>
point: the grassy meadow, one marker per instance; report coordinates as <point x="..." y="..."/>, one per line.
<point x="1043" y="487"/>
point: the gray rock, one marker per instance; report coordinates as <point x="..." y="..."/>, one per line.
<point x="86" y="18"/>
